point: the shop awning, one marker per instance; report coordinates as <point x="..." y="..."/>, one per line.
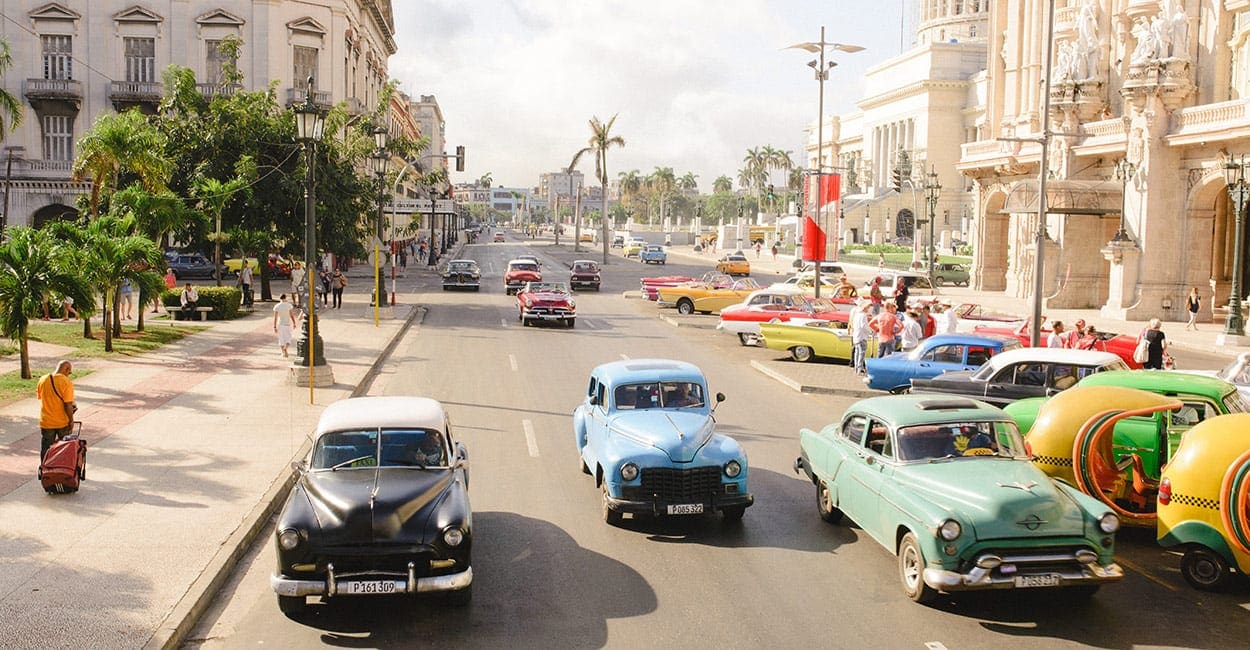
<point x="1065" y="197"/>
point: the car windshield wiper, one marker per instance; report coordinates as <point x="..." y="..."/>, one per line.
<point x="349" y="462"/>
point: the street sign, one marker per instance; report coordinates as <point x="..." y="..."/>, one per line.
<point x="422" y="206"/>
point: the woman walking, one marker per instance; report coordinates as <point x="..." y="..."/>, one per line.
<point x="1192" y="304"/>
<point x="338" y="282"/>
<point x="1156" y="344"/>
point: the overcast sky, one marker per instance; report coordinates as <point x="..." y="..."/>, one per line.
<point x="694" y="83"/>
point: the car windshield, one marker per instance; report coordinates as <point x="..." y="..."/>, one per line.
<point x="654" y="395"/>
<point x="654" y="249"/>
<point x="523" y="266"/>
<point x="545" y="287"/>
<point x="461" y="266"/>
<point x="585" y="268"/>
<point x="820" y="305"/>
<point x="355" y="449"/>
<point x="928" y="442"/>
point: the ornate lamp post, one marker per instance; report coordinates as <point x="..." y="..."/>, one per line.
<point x="379" y="160"/>
<point x="932" y="190"/>
<point x="310" y="350"/>
<point x="1239" y="192"/>
<point x="1124" y="171"/>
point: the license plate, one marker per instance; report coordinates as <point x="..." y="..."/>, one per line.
<point x="686" y="509"/>
<point x="359" y="587"/>
<point x="1049" y="580"/>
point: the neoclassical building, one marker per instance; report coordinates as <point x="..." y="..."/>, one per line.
<point x="76" y="59"/>
<point x="1148" y="101"/>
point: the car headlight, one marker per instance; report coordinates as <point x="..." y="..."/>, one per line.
<point x="1109" y="523"/>
<point x="288" y="539"/>
<point x="733" y="468"/>
<point x="453" y="536"/>
<point x="629" y="471"/>
<point x="950" y="530"/>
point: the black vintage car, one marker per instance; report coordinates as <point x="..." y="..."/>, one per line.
<point x="381" y="507"/>
<point x="584" y="273"/>
<point x="462" y="274"/>
<point x="1023" y="372"/>
<point x="194" y="266"/>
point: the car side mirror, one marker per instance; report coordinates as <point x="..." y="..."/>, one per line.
<point x="299" y="466"/>
<point x="461" y="452"/>
<point x="720" y="397"/>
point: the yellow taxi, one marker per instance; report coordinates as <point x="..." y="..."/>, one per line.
<point x="734" y="264"/>
<point x="633" y="247"/>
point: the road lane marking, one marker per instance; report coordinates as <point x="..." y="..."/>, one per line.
<point x="530" y="440"/>
<point x="1146" y="574"/>
<point x="512" y="362"/>
<point x="503" y="322"/>
<point x="588" y="324"/>
<point x="934" y="645"/>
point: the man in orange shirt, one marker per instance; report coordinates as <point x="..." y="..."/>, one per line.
<point x="56" y="405"/>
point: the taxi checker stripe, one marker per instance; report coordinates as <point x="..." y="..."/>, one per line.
<point x="1195" y="502"/>
<point x="1054" y="460"/>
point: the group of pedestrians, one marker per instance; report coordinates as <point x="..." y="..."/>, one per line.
<point x="896" y="330"/>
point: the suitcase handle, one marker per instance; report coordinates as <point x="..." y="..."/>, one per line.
<point x="76" y="433"/>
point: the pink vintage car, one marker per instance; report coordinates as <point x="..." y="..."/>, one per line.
<point x="651" y="286"/>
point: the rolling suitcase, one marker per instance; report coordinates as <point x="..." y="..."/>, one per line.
<point x="65" y="465"/>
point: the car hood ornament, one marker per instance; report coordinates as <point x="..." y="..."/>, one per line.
<point x="1027" y="487"/>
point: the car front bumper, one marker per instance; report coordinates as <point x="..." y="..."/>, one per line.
<point x="548" y="315"/>
<point x="977" y="578"/>
<point x="409" y="584"/>
<point x="657" y="507"/>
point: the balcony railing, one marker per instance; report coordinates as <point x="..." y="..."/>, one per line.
<point x="296" y="96"/>
<point x="981" y="149"/>
<point x="354" y="105"/>
<point x="42" y="169"/>
<point x="210" y="91"/>
<point x="1211" y="116"/>
<point x="63" y="90"/>
<point x="135" y="91"/>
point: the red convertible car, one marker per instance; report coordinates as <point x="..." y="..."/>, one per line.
<point x="651" y="286"/>
<point x="520" y="272"/>
<point x="779" y="303"/>
<point x="1121" y="345"/>
<point x="546" y="301"/>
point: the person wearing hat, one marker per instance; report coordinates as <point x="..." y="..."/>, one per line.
<point x="950" y="318"/>
<point x="1076" y="334"/>
<point x="859" y="335"/>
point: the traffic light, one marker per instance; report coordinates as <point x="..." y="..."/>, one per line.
<point x="898" y="179"/>
<point x="460" y="158"/>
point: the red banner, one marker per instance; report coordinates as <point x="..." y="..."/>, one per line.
<point x="815" y="237"/>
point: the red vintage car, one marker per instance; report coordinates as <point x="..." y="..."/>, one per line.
<point x="546" y="301"/>
<point x="651" y="286"/>
<point x="1121" y="345"/>
<point x="520" y="272"/>
<point x="779" y="303"/>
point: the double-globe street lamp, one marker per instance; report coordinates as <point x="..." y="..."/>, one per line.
<point x="1124" y="171"/>
<point x="379" y="160"/>
<point x="1239" y="192"/>
<point x="932" y="190"/>
<point x="310" y="350"/>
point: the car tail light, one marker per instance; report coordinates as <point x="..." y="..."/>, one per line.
<point x="1028" y="449"/>
<point x="1165" y="491"/>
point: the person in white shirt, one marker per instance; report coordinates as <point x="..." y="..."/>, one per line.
<point x="1056" y="337"/>
<point x="189" y="298"/>
<point x="284" y="323"/>
<point x="950" y="319"/>
<point x="859" y="335"/>
<point x="912" y="332"/>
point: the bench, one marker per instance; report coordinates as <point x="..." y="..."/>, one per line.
<point x="203" y="313"/>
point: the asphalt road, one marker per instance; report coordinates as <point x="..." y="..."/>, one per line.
<point x="550" y="574"/>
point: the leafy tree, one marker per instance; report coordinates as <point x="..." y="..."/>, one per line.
<point x="213" y="195"/>
<point x="33" y="265"/>
<point x="722" y="185"/>
<point x="601" y="139"/>
<point x="115" y="252"/>
<point x="119" y="143"/>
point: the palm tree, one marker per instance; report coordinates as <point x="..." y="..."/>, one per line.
<point x="485" y="181"/>
<point x="125" y="142"/>
<point x="113" y="253"/>
<point x="662" y="181"/>
<point x="10" y="106"/>
<point x="33" y="264"/>
<point x="213" y="196"/>
<point x="722" y="185"/>
<point x="631" y="183"/>
<point x="601" y="139"/>
<point x="689" y="182"/>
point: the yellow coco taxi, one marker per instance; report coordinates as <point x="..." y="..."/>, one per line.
<point x="707" y="299"/>
<point x="1204" y="501"/>
<point x="734" y="264"/>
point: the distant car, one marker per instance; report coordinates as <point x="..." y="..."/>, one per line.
<point x="815" y="339"/>
<point x="584" y="273"/>
<point x="1122" y="345"/>
<point x="381" y="507"/>
<point x="499" y="237"/>
<point x="934" y="356"/>
<point x="917" y="284"/>
<point x="633" y="248"/>
<point x="519" y="272"/>
<point x="734" y="264"/>
<point x="706" y="299"/>
<point x="826" y="268"/>
<point x="776" y="304"/>
<point x="618" y="241"/>
<point x="194" y="267"/>
<point x="1237" y="372"/>
<point x="645" y="433"/>
<point x="947" y="485"/>
<point x="546" y="301"/>
<point x="945" y="273"/>
<point x="1020" y="373"/>
<point x="530" y="258"/>
<point x="462" y="274"/>
<point x="653" y="254"/>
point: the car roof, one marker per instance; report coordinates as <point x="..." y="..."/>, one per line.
<point x="1054" y="355"/>
<point x="908" y="410"/>
<point x="584" y="262"/>
<point x="1161" y="381"/>
<point x="522" y="260"/>
<point x="463" y="262"/>
<point x="373" y="412"/>
<point x="971" y="339"/>
<point x="640" y="370"/>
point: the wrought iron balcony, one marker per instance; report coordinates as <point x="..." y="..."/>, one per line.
<point x="296" y="96"/>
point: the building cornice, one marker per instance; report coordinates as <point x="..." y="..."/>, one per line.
<point x="910" y="90"/>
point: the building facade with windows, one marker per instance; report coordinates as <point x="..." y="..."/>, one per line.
<point x="76" y="59"/>
<point x="1149" y="99"/>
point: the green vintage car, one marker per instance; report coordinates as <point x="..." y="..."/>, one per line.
<point x="811" y="339"/>
<point x="1152" y="438"/>
<point x="946" y="484"/>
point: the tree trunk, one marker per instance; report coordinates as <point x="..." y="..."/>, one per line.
<point x="116" y="321"/>
<point x="108" y="330"/>
<point x="23" y="351"/>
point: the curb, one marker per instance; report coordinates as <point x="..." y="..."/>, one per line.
<point x="190" y="608"/>
<point x="808" y="388"/>
<point x="678" y="323"/>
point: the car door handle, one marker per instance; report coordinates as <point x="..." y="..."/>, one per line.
<point x="924" y="365"/>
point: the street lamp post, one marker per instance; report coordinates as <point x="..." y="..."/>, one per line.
<point x="1124" y="171"/>
<point x="310" y="350"/>
<point x="379" y="159"/>
<point x="822" y="68"/>
<point x="1239" y="192"/>
<point x="932" y="190"/>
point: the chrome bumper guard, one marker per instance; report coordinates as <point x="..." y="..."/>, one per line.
<point x="988" y="571"/>
<point x="410" y="583"/>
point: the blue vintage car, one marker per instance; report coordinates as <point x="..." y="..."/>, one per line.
<point x="645" y="433"/>
<point x="653" y="254"/>
<point x="934" y="356"/>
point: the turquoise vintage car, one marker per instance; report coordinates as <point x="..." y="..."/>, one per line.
<point x="946" y="484"/>
<point x="809" y="340"/>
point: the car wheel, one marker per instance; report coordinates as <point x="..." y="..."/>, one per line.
<point x="610" y="516"/>
<point x="460" y="597"/>
<point x="911" y="570"/>
<point x="733" y="514"/>
<point x="744" y="338"/>
<point x="596" y="288"/>
<point x="582" y="461"/>
<point x="802" y="353"/>
<point x="824" y="504"/>
<point x="570" y="322"/>
<point x="685" y="306"/>
<point x="900" y="390"/>
<point x="292" y="605"/>
<point x="1204" y="569"/>
<point x="938" y="281"/>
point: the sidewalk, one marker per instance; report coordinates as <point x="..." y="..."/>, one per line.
<point x="188" y="446"/>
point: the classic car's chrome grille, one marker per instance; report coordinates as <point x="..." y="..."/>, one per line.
<point x="346" y="561"/>
<point x="696" y="485"/>
<point x="549" y="311"/>
<point x="1037" y="560"/>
